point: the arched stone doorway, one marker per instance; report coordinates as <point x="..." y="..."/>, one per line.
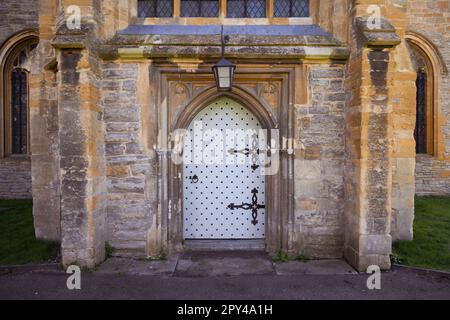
<point x="270" y="218"/>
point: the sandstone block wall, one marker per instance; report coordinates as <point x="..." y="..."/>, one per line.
<point x="44" y="131"/>
<point x="402" y="96"/>
<point x="372" y="78"/>
<point x="17" y="16"/>
<point x="319" y="165"/>
<point x="432" y="176"/>
<point x="130" y="167"/>
<point x="15" y="178"/>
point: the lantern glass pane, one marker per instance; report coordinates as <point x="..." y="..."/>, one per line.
<point x="224" y="77"/>
<point x="223" y="72"/>
<point x="224" y="82"/>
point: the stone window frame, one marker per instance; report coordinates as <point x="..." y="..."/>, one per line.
<point x="8" y="51"/>
<point x="222" y="18"/>
<point x="435" y="68"/>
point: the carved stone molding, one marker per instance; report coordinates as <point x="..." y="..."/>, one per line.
<point x="270" y="92"/>
<point x="179" y="93"/>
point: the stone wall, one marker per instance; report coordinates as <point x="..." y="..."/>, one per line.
<point x="82" y="159"/>
<point x="333" y="16"/>
<point x="130" y="168"/>
<point x="132" y="164"/>
<point x="15" y="178"/>
<point x="373" y="80"/>
<point x="430" y="18"/>
<point x="319" y="164"/>
<point x="44" y="131"/>
<point x="17" y="16"/>
<point x="432" y="176"/>
<point x="353" y="166"/>
<point x="403" y="100"/>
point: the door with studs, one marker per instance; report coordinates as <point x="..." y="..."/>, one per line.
<point x="223" y="188"/>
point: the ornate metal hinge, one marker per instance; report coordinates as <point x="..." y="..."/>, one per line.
<point x="254" y="206"/>
<point x="254" y="152"/>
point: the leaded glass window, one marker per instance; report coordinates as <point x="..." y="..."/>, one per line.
<point x="19" y="111"/>
<point x="421" y="112"/>
<point x="155" y="8"/>
<point x="246" y="8"/>
<point x="16" y="99"/>
<point x="199" y="8"/>
<point x="291" y="8"/>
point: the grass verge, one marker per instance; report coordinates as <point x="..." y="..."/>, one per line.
<point x="431" y="245"/>
<point x="18" y="244"/>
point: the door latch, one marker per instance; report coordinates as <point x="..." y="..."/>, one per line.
<point x="194" y="178"/>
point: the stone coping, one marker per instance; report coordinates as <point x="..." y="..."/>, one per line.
<point x="382" y="36"/>
<point x="175" y="35"/>
<point x="237" y="52"/>
<point x="261" y="30"/>
<point x="256" y="42"/>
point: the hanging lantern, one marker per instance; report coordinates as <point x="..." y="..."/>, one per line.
<point x="224" y="71"/>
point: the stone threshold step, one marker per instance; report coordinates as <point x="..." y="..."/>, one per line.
<point x="224" y="245"/>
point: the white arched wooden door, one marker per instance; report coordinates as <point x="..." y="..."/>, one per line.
<point x="223" y="189"/>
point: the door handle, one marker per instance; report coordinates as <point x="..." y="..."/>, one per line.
<point x="194" y="178"/>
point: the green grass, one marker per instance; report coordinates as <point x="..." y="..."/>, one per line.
<point x="18" y="244"/>
<point x="431" y="246"/>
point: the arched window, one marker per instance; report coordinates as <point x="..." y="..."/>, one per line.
<point x="15" y="97"/>
<point x="429" y="67"/>
<point x="424" y="130"/>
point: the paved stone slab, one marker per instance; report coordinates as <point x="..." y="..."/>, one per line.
<point x="222" y="263"/>
<point x="227" y="263"/>
<point x="397" y="284"/>
<point x="315" y="267"/>
<point x="138" y="267"/>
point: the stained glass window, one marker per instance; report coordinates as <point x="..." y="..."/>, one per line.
<point x="246" y="8"/>
<point x="291" y="8"/>
<point x="199" y="8"/>
<point x="155" y="8"/>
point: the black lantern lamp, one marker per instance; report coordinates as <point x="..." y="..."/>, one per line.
<point x="224" y="70"/>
